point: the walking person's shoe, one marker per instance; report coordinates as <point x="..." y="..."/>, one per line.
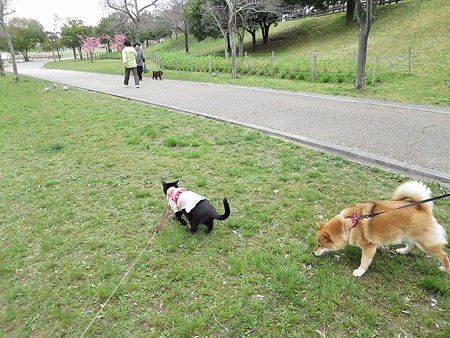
<point x="137" y="86"/>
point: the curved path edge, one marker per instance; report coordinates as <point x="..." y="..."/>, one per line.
<point x="351" y="154"/>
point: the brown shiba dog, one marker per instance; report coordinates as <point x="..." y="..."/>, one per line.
<point x="356" y="226"/>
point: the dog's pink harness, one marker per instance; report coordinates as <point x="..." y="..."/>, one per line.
<point x="355" y="219"/>
<point x="182" y="199"/>
<point x="174" y="194"/>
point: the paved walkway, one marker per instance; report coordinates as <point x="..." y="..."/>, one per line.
<point x="410" y="139"/>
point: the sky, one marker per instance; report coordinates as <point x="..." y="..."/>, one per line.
<point x="90" y="11"/>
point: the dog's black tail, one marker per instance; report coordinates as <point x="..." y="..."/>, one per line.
<point x="227" y="211"/>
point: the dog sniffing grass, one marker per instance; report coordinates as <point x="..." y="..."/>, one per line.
<point x="195" y="207"/>
<point x="374" y="224"/>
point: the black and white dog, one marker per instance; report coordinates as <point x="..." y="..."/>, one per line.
<point x="195" y="207"/>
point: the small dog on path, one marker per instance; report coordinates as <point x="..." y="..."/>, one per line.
<point x="157" y="74"/>
<point x="372" y="224"/>
<point x="195" y="207"/>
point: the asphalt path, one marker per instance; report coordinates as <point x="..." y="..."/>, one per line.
<point x="408" y="139"/>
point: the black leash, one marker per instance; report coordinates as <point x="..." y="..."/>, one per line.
<point x="355" y="218"/>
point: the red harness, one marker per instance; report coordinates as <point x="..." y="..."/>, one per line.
<point x="355" y="219"/>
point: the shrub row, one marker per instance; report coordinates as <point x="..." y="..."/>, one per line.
<point x="335" y="71"/>
<point x="327" y="70"/>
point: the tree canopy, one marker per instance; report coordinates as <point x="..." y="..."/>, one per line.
<point x="72" y="32"/>
<point x="26" y="34"/>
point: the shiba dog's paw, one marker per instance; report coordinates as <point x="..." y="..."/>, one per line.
<point x="358" y="272"/>
<point x="403" y="251"/>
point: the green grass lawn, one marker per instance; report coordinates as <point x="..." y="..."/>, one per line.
<point x="81" y="197"/>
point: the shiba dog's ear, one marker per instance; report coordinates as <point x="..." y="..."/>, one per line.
<point x="327" y="238"/>
<point x="320" y="225"/>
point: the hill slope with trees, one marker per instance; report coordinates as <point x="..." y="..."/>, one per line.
<point x="410" y="40"/>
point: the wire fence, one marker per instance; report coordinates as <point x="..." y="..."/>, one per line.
<point x="313" y="66"/>
<point x="316" y="66"/>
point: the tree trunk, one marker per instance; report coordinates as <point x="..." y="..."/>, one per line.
<point x="231" y="29"/>
<point x="350" y="12"/>
<point x="241" y="42"/>
<point x="137" y="25"/>
<point x="74" y="53"/>
<point x="58" y="53"/>
<point x="11" y="50"/>
<point x="253" y="34"/>
<point x="53" y="53"/>
<point x="2" y="68"/>
<point x="186" y="40"/>
<point x="264" y="31"/>
<point x="225" y="46"/>
<point x="360" y="82"/>
<point x="228" y="41"/>
<point x="366" y="16"/>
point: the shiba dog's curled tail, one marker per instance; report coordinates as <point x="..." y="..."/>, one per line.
<point x="415" y="192"/>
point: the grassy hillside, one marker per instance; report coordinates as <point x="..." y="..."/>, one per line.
<point x="421" y="26"/>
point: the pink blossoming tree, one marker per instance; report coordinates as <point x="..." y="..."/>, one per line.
<point x="119" y="39"/>
<point x="107" y="40"/>
<point x="89" y="44"/>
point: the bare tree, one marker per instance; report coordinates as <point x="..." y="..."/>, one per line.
<point x="134" y="10"/>
<point x="3" y="46"/>
<point x="4" y="12"/>
<point x="54" y="38"/>
<point x="366" y="17"/>
<point x="174" y="13"/>
<point x="219" y="14"/>
<point x="266" y="9"/>
<point x="232" y="4"/>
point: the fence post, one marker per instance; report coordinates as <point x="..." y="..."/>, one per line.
<point x="375" y="65"/>
<point x="313" y="70"/>
<point x="272" y="60"/>
<point x="409" y="61"/>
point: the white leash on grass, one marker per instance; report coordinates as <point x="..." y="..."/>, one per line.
<point x="117" y="287"/>
<point x="126" y="274"/>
